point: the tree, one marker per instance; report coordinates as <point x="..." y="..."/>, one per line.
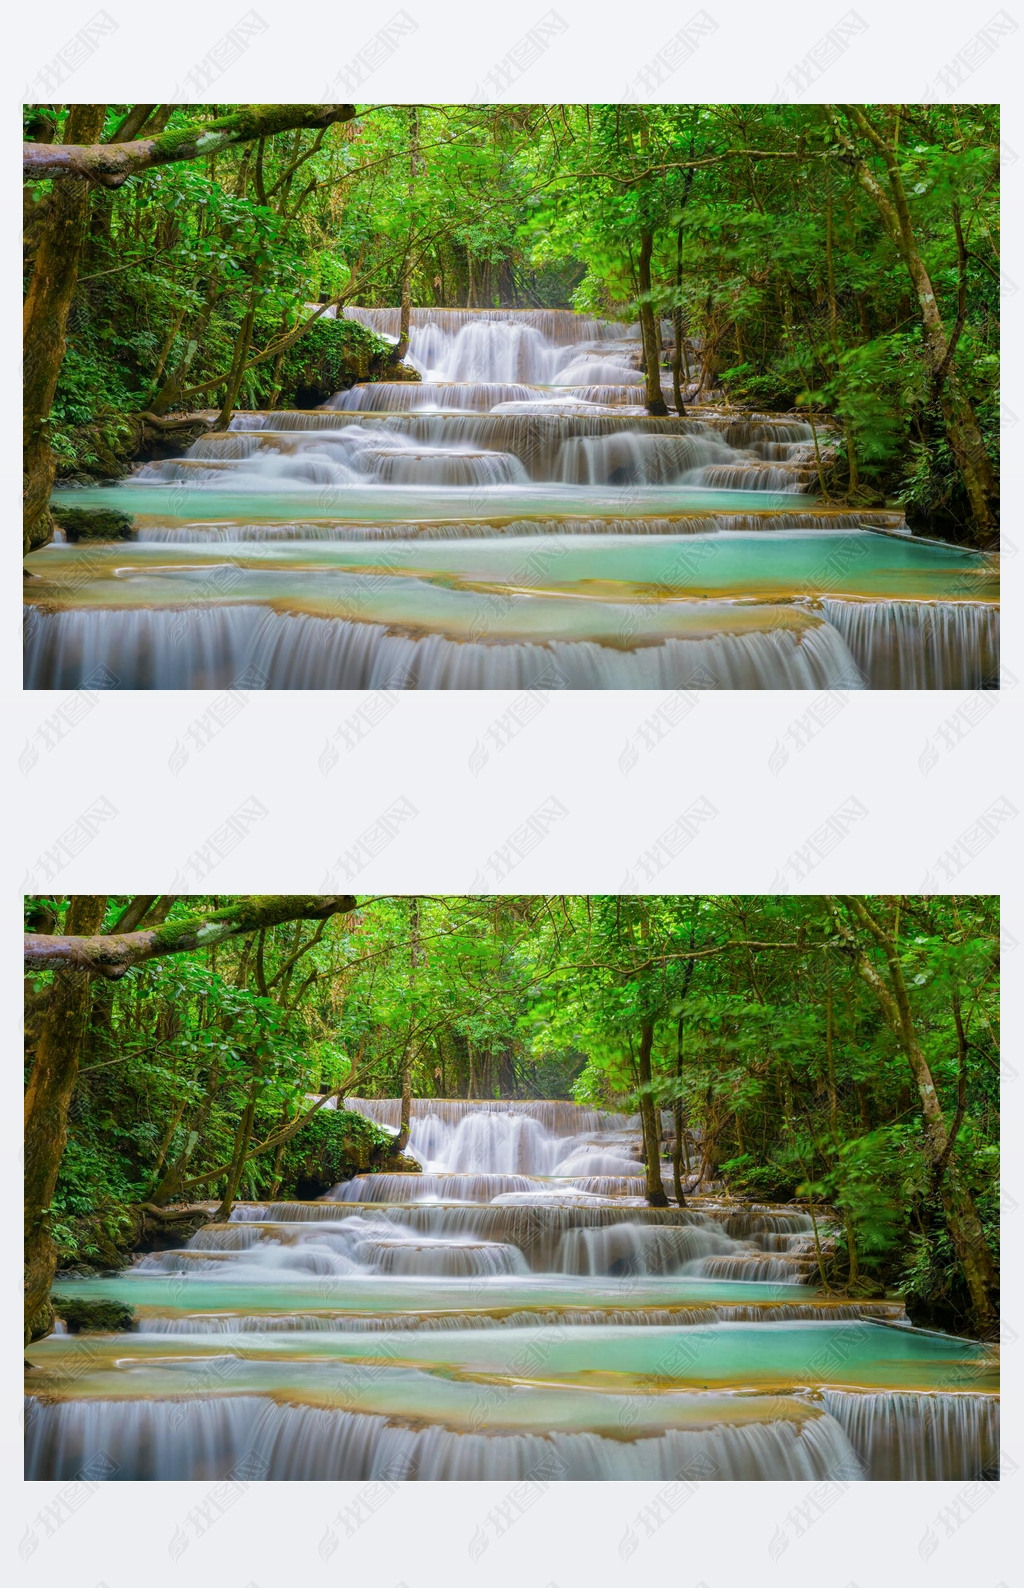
<point x="78" y="956"/>
<point x="962" y="429"/>
<point x="61" y="235"/>
<point x="892" y="992"/>
<point x="47" y="1100"/>
<point x="839" y="1053"/>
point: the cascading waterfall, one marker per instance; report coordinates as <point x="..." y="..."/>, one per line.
<point x="503" y="1314"/>
<point x="222" y="647"/>
<point x="921" y="644"/>
<point x="920" y="1436"/>
<point x="248" y="1438"/>
<point x="511" y="519"/>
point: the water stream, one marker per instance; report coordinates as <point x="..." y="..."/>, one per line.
<point x="513" y="518"/>
<point x="514" y="1310"/>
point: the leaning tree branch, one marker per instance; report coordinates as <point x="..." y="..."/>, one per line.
<point x="111" y="956"/>
<point x="110" y="164"/>
<point x="285" y="1133"/>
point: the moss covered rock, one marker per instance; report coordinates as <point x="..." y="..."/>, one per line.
<point x="165" y="1229"/>
<point x="91" y="1316"/>
<point x="331" y="356"/>
<point x="93" y="523"/>
<point x="334" y="1145"/>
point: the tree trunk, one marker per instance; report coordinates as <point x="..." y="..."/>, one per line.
<point x="649" y="332"/>
<point x="405" y="294"/>
<point x="172" y="1176"/>
<point x="961" y="425"/>
<point x="415" y="957"/>
<point x="167" y="394"/>
<point x="649" y="1119"/>
<point x="677" y="1117"/>
<point x="243" y="1136"/>
<point x="404" y="315"/>
<point x="243" y="342"/>
<point x="50" y="295"/>
<point x="283" y="1134"/>
<point x="47" y="1102"/>
<point x="677" y="329"/>
<point x="961" y="1214"/>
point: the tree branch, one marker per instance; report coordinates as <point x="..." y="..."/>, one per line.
<point x="111" y="164"/>
<point x="113" y="955"/>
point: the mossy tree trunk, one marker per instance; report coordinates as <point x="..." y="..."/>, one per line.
<point x="83" y="156"/>
<point x="112" y="955"/>
<point x="50" y="294"/>
<point x="963" y="1221"/>
<point x="960" y="422"/>
<point x="47" y="1101"/>
<point x="649" y="331"/>
<point x="649" y="1119"/>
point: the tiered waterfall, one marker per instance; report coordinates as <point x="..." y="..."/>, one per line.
<point x="511" y="518"/>
<point x="514" y="1310"/>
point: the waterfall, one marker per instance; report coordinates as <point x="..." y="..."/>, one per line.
<point x="560" y="1118"/>
<point x="246" y="1437"/>
<point x="214" y="647"/>
<point x="921" y="644"/>
<point x="560" y="1317"/>
<point x="689" y="524"/>
<point x="951" y="1437"/>
<point x="746" y="1265"/>
<point x="386" y="396"/>
<point x="557" y="325"/>
<point x="514" y="1303"/>
<point x="638" y="1249"/>
<point x="365" y="544"/>
<point x="430" y="1187"/>
<point x="624" y="458"/>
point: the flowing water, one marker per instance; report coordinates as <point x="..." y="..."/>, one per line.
<point x="514" y="518"/>
<point x="515" y="1310"/>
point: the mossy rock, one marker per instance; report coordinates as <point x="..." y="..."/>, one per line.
<point x="331" y="356"/>
<point x="171" y="1228"/>
<point x="402" y="371"/>
<point x="332" y="1146"/>
<point x="82" y="1317"/>
<point x="40" y="1324"/>
<point x="93" y="523"/>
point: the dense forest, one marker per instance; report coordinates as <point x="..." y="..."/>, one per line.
<point x="837" y="1051"/>
<point x="840" y="260"/>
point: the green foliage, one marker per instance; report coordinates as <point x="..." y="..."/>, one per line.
<point x="332" y="1146"/>
<point x="764" y="1031"/>
<point x="787" y="278"/>
<point x="878" y="1178"/>
<point x="330" y="356"/>
<point x="760" y="1182"/>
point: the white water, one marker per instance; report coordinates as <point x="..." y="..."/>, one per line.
<point x="527" y="426"/>
<point x="921" y="644"/>
<point x="251" y="1439"/>
<point x="921" y="1436"/>
<point x="488" y="1319"/>
<point x="220" y="647"/>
